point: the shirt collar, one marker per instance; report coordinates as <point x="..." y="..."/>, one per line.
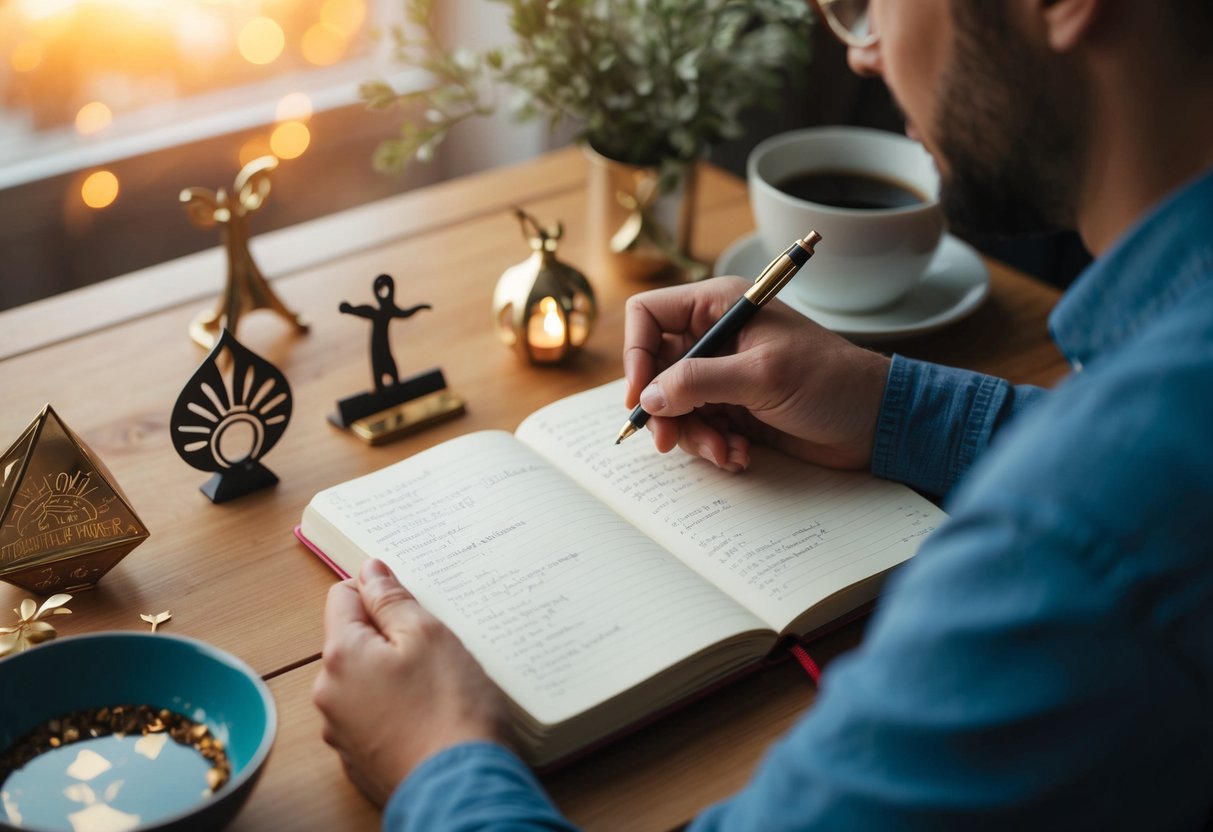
<point x="1149" y="270"/>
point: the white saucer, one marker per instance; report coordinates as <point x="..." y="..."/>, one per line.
<point x="955" y="283"/>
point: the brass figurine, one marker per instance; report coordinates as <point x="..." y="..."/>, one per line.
<point x="542" y="307"/>
<point x="246" y="288"/>
<point x="643" y="235"/>
<point x="64" y="522"/>
<point x="640" y="220"/>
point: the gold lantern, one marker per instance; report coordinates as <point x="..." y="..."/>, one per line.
<point x="543" y="308"/>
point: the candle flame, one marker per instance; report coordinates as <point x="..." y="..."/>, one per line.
<point x="552" y="324"/>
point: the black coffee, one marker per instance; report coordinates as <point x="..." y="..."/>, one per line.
<point x="847" y="189"/>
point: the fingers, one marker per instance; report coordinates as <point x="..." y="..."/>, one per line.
<point x="717" y="444"/>
<point x="392" y="609"/>
<point x="344" y="607"/>
<point x="661" y="325"/>
<point x="642" y="345"/>
<point x="694" y="382"/>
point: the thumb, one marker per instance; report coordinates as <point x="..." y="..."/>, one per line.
<point x="694" y="382"/>
<point x="388" y="603"/>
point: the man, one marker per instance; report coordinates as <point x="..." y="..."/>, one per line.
<point x="1047" y="659"/>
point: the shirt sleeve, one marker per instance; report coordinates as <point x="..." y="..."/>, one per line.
<point x="473" y="786"/>
<point x="993" y="692"/>
<point x="935" y="421"/>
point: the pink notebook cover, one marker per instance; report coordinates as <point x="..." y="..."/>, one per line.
<point x="316" y="551"/>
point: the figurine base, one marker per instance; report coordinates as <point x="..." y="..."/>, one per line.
<point x="364" y="405"/>
<point x="241" y="479"/>
<point x="405" y="418"/>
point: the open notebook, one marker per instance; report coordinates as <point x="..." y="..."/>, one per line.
<point x="600" y="583"/>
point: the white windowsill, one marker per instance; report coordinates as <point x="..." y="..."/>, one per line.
<point x="213" y="114"/>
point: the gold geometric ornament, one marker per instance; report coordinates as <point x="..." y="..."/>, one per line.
<point x="64" y="522"/>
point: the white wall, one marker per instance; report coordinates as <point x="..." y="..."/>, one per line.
<point x="484" y="143"/>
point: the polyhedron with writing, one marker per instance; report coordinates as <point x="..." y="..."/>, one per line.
<point x="64" y="522"/>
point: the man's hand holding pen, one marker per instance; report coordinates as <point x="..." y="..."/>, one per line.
<point x="785" y="382"/>
<point x="716" y="337"/>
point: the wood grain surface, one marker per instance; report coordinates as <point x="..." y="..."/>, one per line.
<point x="112" y="359"/>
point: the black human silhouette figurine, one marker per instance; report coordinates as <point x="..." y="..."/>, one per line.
<point x="396" y="405"/>
<point x="383" y="366"/>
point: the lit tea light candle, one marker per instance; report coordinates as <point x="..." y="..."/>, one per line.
<point x="542" y="307"/>
<point x="545" y="330"/>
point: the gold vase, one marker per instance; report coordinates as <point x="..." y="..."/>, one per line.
<point x="639" y="230"/>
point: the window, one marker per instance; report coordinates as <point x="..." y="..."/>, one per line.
<point x="108" y="108"/>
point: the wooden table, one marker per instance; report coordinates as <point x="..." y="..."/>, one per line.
<point x="112" y="359"/>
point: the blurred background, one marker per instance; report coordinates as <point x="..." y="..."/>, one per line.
<point x="108" y="108"/>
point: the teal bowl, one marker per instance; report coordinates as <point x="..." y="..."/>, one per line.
<point x="184" y="675"/>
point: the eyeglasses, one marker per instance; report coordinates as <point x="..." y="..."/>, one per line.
<point x="848" y="20"/>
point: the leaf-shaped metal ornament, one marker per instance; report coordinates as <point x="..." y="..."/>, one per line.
<point x="156" y="619"/>
<point x="228" y="416"/>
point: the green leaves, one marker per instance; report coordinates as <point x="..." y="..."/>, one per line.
<point x="646" y="80"/>
<point x="377" y="95"/>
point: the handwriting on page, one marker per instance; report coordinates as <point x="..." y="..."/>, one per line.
<point x="539" y="579"/>
<point x="780" y="529"/>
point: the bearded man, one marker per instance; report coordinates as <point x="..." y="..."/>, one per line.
<point x="1046" y="661"/>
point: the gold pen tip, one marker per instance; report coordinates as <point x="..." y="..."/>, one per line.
<point x="626" y="431"/>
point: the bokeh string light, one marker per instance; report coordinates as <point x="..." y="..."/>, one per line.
<point x="93" y="71"/>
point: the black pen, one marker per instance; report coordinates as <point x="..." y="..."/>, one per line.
<point x="773" y="278"/>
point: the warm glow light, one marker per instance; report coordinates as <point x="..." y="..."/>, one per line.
<point x="254" y="148"/>
<point x="552" y="325"/>
<point x="550" y="333"/>
<point x="202" y="33"/>
<point x="26" y="56"/>
<point x="100" y="189"/>
<point x="92" y="118"/>
<point x="261" y="41"/>
<point x="322" y="45"/>
<point x="294" y="107"/>
<point x="44" y="9"/>
<point x="345" y="16"/>
<point x="289" y="140"/>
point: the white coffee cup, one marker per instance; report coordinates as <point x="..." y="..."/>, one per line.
<point x="868" y="257"/>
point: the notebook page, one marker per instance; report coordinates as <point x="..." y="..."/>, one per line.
<point x="779" y="537"/>
<point x="563" y="602"/>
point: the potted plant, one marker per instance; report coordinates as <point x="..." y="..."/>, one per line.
<point x="649" y="85"/>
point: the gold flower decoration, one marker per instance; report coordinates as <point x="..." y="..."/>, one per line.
<point x="30" y="629"/>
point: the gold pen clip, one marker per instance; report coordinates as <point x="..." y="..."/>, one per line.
<point x="776" y="275"/>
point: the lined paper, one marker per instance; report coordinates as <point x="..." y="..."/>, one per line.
<point x="780" y="537"/>
<point x="564" y="603"/>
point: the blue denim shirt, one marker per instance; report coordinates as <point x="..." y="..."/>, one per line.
<point x="1046" y="661"/>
